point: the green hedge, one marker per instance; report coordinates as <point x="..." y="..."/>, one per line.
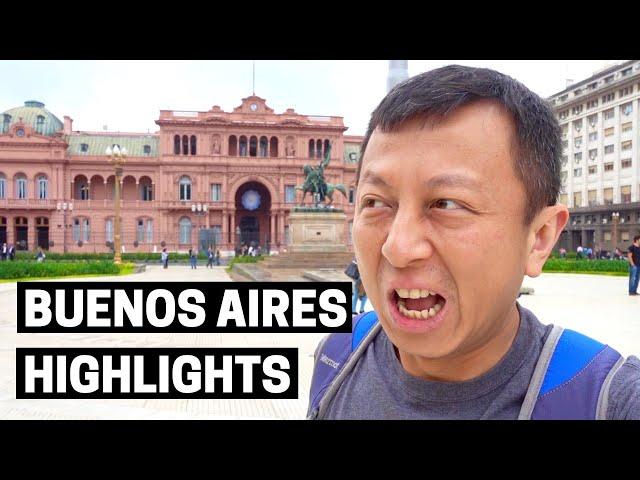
<point x="129" y="257"/>
<point x="244" y="259"/>
<point x="616" y="267"/>
<point x="20" y="269"/>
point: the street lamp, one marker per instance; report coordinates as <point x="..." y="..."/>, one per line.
<point x="117" y="156"/>
<point x="199" y="210"/>
<point x="63" y="207"/>
<point x="615" y="218"/>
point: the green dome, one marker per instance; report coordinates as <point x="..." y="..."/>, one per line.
<point x="47" y="124"/>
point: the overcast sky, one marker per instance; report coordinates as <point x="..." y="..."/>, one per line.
<point x="128" y="95"/>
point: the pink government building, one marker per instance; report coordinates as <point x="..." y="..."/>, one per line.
<point x="205" y="178"/>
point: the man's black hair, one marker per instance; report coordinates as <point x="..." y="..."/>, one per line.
<point x="433" y="95"/>
<point x="636" y="238"/>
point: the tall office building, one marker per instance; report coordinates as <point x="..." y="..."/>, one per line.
<point x="600" y="170"/>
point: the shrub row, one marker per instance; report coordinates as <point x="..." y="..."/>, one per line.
<point x="130" y="257"/>
<point x="20" y="269"/>
<point x="587" y="266"/>
<point x="244" y="259"/>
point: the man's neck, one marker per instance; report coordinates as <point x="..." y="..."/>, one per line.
<point x="460" y="367"/>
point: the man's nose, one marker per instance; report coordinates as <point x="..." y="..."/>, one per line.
<point x="407" y="241"/>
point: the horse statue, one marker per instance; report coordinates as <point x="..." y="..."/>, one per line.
<point x="315" y="183"/>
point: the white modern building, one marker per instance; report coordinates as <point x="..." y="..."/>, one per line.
<point x="600" y="125"/>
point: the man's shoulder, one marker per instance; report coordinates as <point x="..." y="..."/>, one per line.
<point x="624" y="395"/>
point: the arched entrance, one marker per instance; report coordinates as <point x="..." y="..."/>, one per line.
<point x="3" y="230"/>
<point x="21" y="233"/>
<point x="253" y="207"/>
<point x="42" y="231"/>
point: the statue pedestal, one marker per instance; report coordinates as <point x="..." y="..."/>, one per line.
<point x="317" y="231"/>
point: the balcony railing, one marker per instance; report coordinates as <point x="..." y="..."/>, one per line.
<point x="30" y="203"/>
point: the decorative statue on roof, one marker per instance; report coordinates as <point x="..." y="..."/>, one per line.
<point x="316" y="185"/>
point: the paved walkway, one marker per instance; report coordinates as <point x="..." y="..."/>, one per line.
<point x="596" y="305"/>
<point x="146" y="409"/>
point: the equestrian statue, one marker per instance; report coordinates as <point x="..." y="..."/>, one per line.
<point x="315" y="183"/>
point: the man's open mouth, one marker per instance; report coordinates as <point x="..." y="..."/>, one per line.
<point x="418" y="303"/>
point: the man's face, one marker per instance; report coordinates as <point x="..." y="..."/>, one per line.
<point x="440" y="210"/>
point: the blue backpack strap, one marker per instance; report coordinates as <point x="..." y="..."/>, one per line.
<point x="571" y="379"/>
<point x="335" y="357"/>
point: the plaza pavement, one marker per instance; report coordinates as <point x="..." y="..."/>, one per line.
<point x="595" y="305"/>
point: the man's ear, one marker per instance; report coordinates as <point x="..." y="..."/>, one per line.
<point x="545" y="229"/>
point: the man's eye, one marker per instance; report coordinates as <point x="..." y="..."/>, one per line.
<point x="373" y="203"/>
<point x="445" y="204"/>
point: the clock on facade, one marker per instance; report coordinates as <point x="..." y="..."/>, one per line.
<point x="20" y="132"/>
<point x="253" y="107"/>
<point x="250" y="200"/>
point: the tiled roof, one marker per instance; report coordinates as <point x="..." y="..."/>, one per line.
<point x="96" y="144"/>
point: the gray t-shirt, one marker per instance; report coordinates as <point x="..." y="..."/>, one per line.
<point x="379" y="387"/>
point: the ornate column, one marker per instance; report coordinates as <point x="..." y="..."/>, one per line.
<point x="281" y="223"/>
<point x="272" y="232"/>
<point x="232" y="229"/>
<point x="225" y="234"/>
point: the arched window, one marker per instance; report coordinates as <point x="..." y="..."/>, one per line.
<point x="146" y="189"/>
<point x="81" y="230"/>
<point x="264" y="146"/>
<point x="108" y="230"/>
<point x="194" y="141"/>
<point x="83" y="191"/>
<point x="253" y="146"/>
<point x="144" y="230"/>
<point x="149" y="230"/>
<point x="185" y="231"/>
<point x="326" y="147"/>
<point x="243" y="146"/>
<point x="6" y="123"/>
<point x="318" y="148"/>
<point x="3" y="186"/>
<point x="185" y="188"/>
<point x="312" y="149"/>
<point x="42" y="187"/>
<point x="21" y="186"/>
<point x="176" y="145"/>
<point x="233" y="146"/>
<point x="185" y="145"/>
<point x="85" y="230"/>
<point x="273" y="146"/>
<point x="40" y="125"/>
<point x="140" y="230"/>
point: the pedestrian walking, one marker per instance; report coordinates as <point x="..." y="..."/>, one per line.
<point x="362" y="295"/>
<point x="165" y="258"/>
<point x="634" y="265"/>
<point x="354" y="274"/>
<point x="217" y="257"/>
<point x="209" y="257"/>
<point x="193" y="258"/>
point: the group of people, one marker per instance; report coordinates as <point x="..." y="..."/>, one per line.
<point x="8" y="252"/>
<point x="249" y="250"/>
<point x="212" y="258"/>
<point x="590" y="254"/>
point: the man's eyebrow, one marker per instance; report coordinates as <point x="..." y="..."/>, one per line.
<point x="373" y="178"/>
<point x="452" y="180"/>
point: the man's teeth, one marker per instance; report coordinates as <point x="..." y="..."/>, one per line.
<point x="419" y="313"/>
<point x="413" y="293"/>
